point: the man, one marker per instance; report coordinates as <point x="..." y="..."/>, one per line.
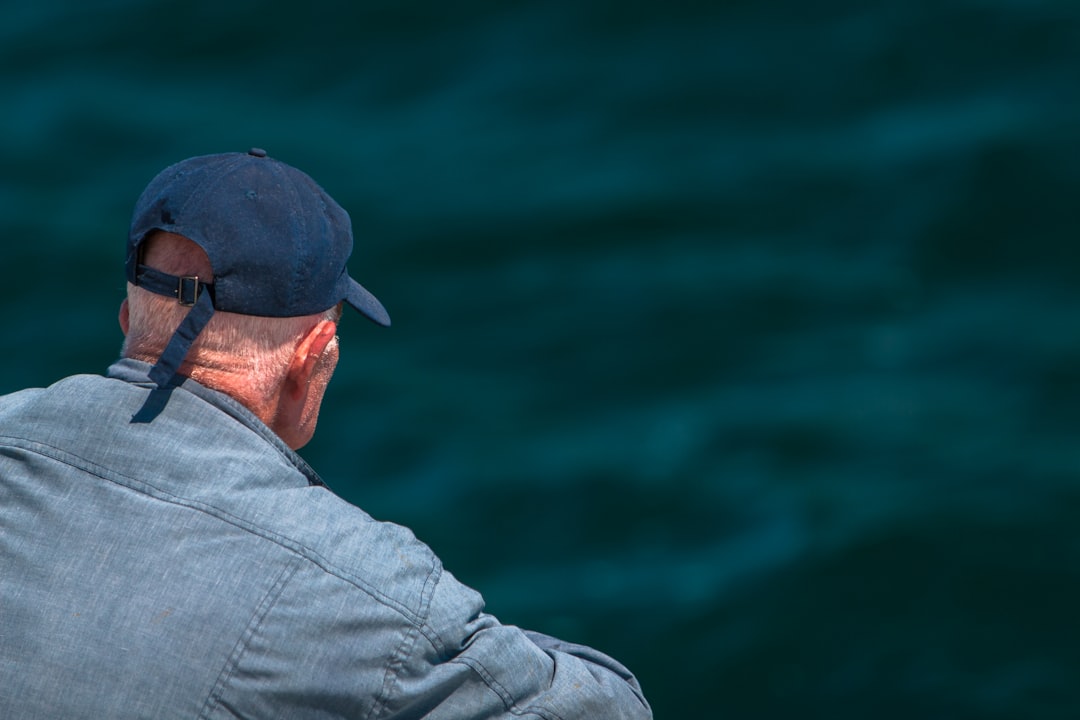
<point x="165" y="553"/>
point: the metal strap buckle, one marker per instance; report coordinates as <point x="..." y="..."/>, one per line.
<point x="187" y="290"/>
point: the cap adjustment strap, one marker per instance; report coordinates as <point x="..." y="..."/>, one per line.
<point x="177" y="349"/>
<point x="191" y="292"/>
<point x="185" y="289"/>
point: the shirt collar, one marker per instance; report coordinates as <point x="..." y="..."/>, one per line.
<point x="137" y="372"/>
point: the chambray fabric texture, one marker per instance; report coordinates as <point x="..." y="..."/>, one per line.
<point x="194" y="566"/>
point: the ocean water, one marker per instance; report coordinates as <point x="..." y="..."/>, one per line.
<point x="738" y="340"/>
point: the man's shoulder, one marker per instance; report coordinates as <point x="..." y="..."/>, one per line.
<point x="382" y="559"/>
<point x="195" y="454"/>
<point x="72" y="385"/>
<point x="37" y="412"/>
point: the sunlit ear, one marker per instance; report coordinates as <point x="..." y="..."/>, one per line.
<point x="125" y="316"/>
<point x="306" y="358"/>
<point x="299" y="397"/>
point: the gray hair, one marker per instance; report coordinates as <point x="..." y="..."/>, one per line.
<point x="257" y="349"/>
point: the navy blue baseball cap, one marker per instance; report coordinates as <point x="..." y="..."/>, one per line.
<point x="277" y="242"/>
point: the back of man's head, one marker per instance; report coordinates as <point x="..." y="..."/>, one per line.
<point x="256" y="348"/>
<point x="271" y="243"/>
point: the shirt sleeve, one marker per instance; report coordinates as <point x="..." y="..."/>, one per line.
<point x="464" y="663"/>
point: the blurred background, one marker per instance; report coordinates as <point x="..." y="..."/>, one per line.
<point x="735" y="339"/>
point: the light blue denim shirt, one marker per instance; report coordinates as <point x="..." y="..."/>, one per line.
<point x="192" y="566"/>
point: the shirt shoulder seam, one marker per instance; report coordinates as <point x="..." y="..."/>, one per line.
<point x="232" y="663"/>
<point x="415" y="617"/>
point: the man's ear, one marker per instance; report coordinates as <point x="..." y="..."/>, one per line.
<point x="300" y="393"/>
<point x="125" y="317"/>
<point x="305" y="359"/>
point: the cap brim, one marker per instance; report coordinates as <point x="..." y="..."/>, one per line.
<point x="367" y="304"/>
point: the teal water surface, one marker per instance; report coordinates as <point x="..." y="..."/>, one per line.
<point x="736" y="339"/>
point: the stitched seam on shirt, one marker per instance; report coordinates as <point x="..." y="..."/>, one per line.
<point x="507" y="698"/>
<point x="397" y="662"/>
<point x="146" y="488"/>
<point x="228" y="670"/>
